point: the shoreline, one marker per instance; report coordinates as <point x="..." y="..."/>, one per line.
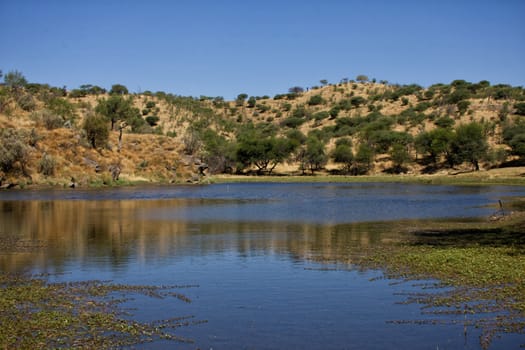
<point x="506" y="176"/>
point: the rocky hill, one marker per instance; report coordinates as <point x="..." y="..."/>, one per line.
<point x="89" y="136"/>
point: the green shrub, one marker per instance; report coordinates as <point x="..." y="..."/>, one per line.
<point x="321" y="115"/>
<point x="97" y="131"/>
<point x="292" y="122"/>
<point x="13" y="150"/>
<point x="520" y="108"/>
<point x="152" y="120"/>
<point x="47" y="165"/>
<point x="26" y="102"/>
<point x="316" y="100"/>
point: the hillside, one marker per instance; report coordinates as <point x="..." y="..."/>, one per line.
<point x="88" y="136"/>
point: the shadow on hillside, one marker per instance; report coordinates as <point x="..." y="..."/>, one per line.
<point x="512" y="163"/>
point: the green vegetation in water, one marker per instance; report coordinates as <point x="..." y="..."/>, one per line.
<point x="37" y="314"/>
<point x="484" y="269"/>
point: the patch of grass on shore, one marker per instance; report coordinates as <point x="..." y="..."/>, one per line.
<point x="422" y="179"/>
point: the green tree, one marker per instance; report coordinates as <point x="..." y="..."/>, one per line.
<point x="152" y="120"/>
<point x="96" y="129"/>
<point x="15" y="80"/>
<point x="239" y="101"/>
<point x="399" y="155"/>
<point x="434" y="143"/>
<point x="258" y="146"/>
<point x="118" y="89"/>
<point x="323" y="82"/>
<point x="364" y="158"/>
<point x="343" y="153"/>
<point x="357" y="101"/>
<point x="362" y="78"/>
<point x="316" y="100"/>
<point x="13" y="151"/>
<point x="514" y="136"/>
<point x="252" y="101"/>
<point x="469" y="144"/>
<point x="520" y="108"/>
<point x="458" y="95"/>
<point x="444" y="122"/>
<point x="218" y="152"/>
<point x="314" y="156"/>
<point x="334" y="112"/>
<point x="463" y="106"/>
<point x="117" y="108"/>
<point x="296" y="90"/>
<point x="61" y="107"/>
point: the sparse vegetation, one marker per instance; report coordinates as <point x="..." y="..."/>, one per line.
<point x="454" y="127"/>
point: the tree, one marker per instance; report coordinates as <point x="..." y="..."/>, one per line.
<point x="463" y="106"/>
<point x="469" y="144"/>
<point x="218" y="152"/>
<point x="343" y="153"/>
<point x="334" y="111"/>
<point x="152" y="120"/>
<point x="520" y="108"/>
<point x="434" y="143"/>
<point x="96" y="129"/>
<point x="61" y="107"/>
<point x="514" y="136"/>
<point x="252" y="101"/>
<point x="399" y="155"/>
<point x="357" y="101"/>
<point x="323" y="82"/>
<point x="15" y="80"/>
<point x="364" y="158"/>
<point x="313" y="156"/>
<point x="261" y="148"/>
<point x="117" y="108"/>
<point x="362" y="78"/>
<point x="316" y="100"/>
<point x="118" y="89"/>
<point x="239" y="101"/>
<point x="296" y="90"/>
<point x="13" y="151"/>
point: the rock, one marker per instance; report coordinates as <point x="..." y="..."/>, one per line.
<point x="7" y="186"/>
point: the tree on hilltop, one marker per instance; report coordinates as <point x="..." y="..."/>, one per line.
<point x="296" y="90"/>
<point x="118" y="89"/>
<point x="15" y="80"/>
<point x="362" y="78"/>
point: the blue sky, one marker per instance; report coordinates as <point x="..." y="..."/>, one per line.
<point x="223" y="48"/>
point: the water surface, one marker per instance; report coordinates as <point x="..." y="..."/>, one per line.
<point x="251" y="252"/>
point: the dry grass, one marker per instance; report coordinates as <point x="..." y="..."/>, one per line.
<point x="160" y="158"/>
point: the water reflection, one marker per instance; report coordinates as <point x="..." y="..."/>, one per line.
<point x="297" y="220"/>
<point x="124" y="231"/>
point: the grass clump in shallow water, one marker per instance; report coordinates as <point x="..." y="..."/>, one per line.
<point x="484" y="266"/>
<point x="38" y="314"/>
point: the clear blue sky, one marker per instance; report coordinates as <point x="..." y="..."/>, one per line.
<point x="223" y="48"/>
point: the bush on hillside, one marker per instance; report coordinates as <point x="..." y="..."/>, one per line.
<point x="13" y="151"/>
<point x="97" y="130"/>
